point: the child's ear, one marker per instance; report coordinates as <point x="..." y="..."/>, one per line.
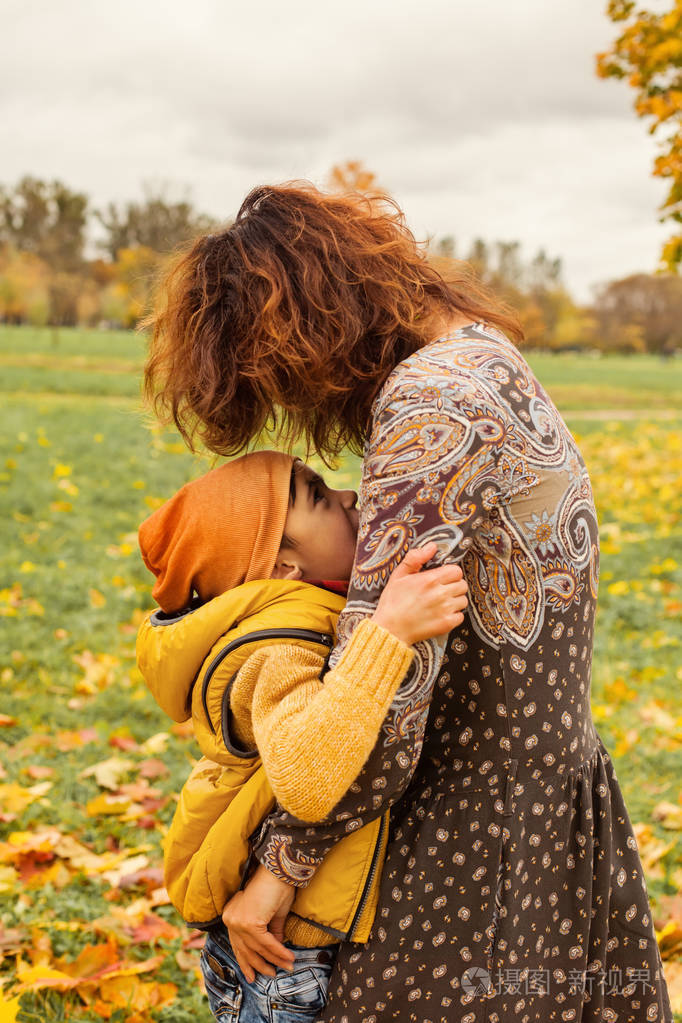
<point x="286" y="570"/>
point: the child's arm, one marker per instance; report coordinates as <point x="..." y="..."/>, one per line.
<point x="314" y="737"/>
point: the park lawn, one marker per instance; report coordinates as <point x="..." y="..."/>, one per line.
<point x="626" y="382"/>
<point x="67" y="343"/>
<point x="79" y="470"/>
<point x="35" y="359"/>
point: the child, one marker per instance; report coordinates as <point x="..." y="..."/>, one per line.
<point x="247" y="558"/>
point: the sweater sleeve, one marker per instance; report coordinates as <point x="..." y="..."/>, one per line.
<point x="429" y="473"/>
<point x="313" y="737"/>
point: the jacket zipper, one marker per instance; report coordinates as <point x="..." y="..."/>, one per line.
<point x="370" y="877"/>
<point x="368" y="881"/>
<point x="326" y="640"/>
<point x="245" y="872"/>
<point x="253" y="637"/>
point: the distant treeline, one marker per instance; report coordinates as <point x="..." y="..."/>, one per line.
<point x="47" y="278"/>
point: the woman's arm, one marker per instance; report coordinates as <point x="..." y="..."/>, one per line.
<point x="430" y="473"/>
<point x="313" y="737"/>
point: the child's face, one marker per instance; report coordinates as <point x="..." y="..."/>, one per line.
<point x="322" y="525"/>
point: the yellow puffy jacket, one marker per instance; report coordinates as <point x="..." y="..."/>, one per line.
<point x="189" y="661"/>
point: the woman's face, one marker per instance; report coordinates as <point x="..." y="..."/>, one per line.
<point x="321" y="529"/>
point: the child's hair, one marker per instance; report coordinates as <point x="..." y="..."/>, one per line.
<point x="292" y="319"/>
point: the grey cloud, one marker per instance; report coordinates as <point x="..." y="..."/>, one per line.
<point x="482" y="118"/>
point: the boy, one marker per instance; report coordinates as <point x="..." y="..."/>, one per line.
<point x="253" y="554"/>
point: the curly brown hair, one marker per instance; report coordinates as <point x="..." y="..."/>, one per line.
<point x="290" y="320"/>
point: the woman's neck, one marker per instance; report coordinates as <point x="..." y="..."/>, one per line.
<point x="441" y="323"/>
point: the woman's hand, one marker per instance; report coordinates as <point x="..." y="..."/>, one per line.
<point x="417" y="605"/>
<point x="254" y="918"/>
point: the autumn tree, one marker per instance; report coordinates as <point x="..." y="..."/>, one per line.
<point x="47" y="219"/>
<point x="533" y="288"/>
<point x="642" y="312"/>
<point x="136" y="270"/>
<point x="156" y="223"/>
<point x="24" y="287"/>
<point x="445" y="247"/>
<point x="352" y="176"/>
<point x="648" y="53"/>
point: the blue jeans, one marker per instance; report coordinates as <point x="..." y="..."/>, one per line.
<point x="288" y="997"/>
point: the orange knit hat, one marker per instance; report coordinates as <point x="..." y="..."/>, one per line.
<point x="218" y="531"/>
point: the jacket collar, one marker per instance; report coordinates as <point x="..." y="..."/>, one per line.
<point x="171" y="649"/>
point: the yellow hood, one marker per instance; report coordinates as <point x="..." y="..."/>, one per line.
<point x="178" y="654"/>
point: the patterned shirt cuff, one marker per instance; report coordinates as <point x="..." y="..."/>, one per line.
<point x="275" y="853"/>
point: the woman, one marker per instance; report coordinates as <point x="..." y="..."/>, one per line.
<point x="512" y="885"/>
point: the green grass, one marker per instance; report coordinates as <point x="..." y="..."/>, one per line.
<point x="47" y="380"/>
<point x="579" y="382"/>
<point x="81" y="465"/>
<point x="632" y="374"/>
<point x="37" y="360"/>
<point x="66" y="342"/>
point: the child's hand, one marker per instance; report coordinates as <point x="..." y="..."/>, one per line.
<point x="419" y="605"/>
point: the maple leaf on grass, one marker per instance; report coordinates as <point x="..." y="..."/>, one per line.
<point x="107" y="773"/>
<point x="94" y="965"/>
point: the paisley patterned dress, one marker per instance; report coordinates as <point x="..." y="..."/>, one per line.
<point x="513" y="887"/>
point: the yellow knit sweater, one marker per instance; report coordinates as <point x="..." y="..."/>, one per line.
<point x="314" y="737"/>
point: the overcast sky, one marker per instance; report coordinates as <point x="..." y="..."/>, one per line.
<point x="483" y="118"/>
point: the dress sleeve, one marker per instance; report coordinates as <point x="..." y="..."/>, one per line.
<point x="429" y="473"/>
<point x="313" y="738"/>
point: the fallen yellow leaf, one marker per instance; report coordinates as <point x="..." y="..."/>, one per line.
<point x="129" y="866"/>
<point x="130" y="992"/>
<point x="41" y="947"/>
<point x="97" y="599"/>
<point x="673" y="978"/>
<point x="9" y="1007"/>
<point x="107" y="773"/>
<point x="155" y="743"/>
<point x="32" y="978"/>
<point x="651" y="849"/>
<point x="669" y="814"/>
<point x="658" y="716"/>
<point x="14" y="798"/>
<point x="107" y="805"/>
<point x="8" y="879"/>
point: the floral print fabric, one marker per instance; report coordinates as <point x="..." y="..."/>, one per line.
<point x="513" y="887"/>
